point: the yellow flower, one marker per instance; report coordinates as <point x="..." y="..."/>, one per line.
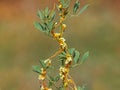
<point x="62" y="40"/>
<point x="57" y="35"/>
<point x="47" y="62"/>
<point x="64" y="27"/>
<point x="68" y="60"/>
<point x="41" y="77"/>
<point x="60" y="6"/>
<point x="63" y="72"/>
<point x="45" y="88"/>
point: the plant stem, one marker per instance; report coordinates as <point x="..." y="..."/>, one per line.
<point x="55" y="54"/>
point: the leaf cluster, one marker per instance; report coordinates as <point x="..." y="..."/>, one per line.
<point x="47" y="24"/>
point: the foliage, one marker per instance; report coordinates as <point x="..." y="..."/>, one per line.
<point x="69" y="57"/>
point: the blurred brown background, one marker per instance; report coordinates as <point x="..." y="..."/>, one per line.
<point x="21" y="45"/>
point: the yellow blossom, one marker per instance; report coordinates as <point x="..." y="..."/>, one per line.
<point x="57" y="35"/>
<point x="47" y="62"/>
<point x="64" y="27"/>
<point x="68" y="60"/>
<point x="41" y="77"/>
<point x="60" y="6"/>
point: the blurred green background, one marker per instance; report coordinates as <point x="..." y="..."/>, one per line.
<point x="21" y="45"/>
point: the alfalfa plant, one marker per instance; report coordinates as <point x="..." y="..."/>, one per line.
<point x="69" y="57"/>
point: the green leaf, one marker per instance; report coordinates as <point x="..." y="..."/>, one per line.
<point x="50" y="26"/>
<point x="71" y="51"/>
<point x="76" y="57"/>
<point x="37" y="69"/>
<point x="83" y="9"/>
<point x="76" y="6"/>
<point x="40" y="14"/>
<point x="52" y="16"/>
<point x="64" y="53"/>
<point x="79" y="88"/>
<point x="85" y="56"/>
<point x="42" y="63"/>
<point x="39" y="26"/>
<point x="62" y="57"/>
<point x="62" y="1"/>
<point x="46" y="11"/>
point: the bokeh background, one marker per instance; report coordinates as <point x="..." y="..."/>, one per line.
<point x="21" y="45"/>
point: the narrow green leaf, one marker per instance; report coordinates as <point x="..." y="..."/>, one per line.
<point x="71" y="51"/>
<point x="46" y="10"/>
<point x="85" y="56"/>
<point x="42" y="63"/>
<point x="37" y="69"/>
<point x="79" y="88"/>
<point x="62" y="1"/>
<point x="39" y="26"/>
<point x="52" y="16"/>
<point x="76" y="6"/>
<point x="63" y="53"/>
<point x="83" y="9"/>
<point x="50" y="26"/>
<point x="40" y="14"/>
<point x="77" y="57"/>
<point x="62" y="56"/>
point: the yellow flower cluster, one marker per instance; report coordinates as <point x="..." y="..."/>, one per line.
<point x="42" y="75"/>
<point x="63" y="72"/>
<point x="45" y="88"/>
<point x="61" y="40"/>
<point x="47" y="62"/>
<point x="63" y="75"/>
<point x="62" y="43"/>
<point x="69" y="59"/>
<point x="57" y="35"/>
